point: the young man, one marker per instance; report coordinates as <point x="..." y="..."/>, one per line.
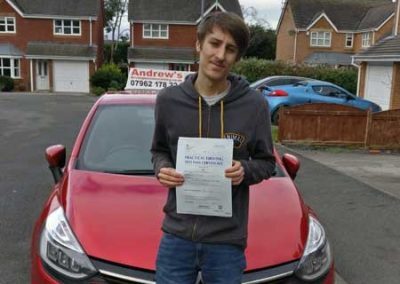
<point x="215" y="104"/>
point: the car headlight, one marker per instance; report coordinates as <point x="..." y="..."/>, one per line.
<point x="60" y="250"/>
<point x="317" y="258"/>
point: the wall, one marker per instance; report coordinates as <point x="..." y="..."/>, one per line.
<point x="286" y="37"/>
<point x="386" y="29"/>
<point x="337" y="40"/>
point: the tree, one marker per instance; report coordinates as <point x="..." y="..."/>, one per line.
<point x="262" y="42"/>
<point x="120" y="55"/>
<point x="114" y="12"/>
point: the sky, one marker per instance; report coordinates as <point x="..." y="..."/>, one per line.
<point x="270" y="10"/>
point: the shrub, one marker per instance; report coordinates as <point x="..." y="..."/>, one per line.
<point x="254" y="69"/>
<point x="6" y="84"/>
<point x="120" y="53"/>
<point x="98" y="91"/>
<point x="108" y="76"/>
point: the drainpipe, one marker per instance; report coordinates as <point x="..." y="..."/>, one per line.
<point x="396" y="27"/>
<point x="132" y="35"/>
<point x="31" y="69"/>
<point x="358" y="66"/>
<point x="295" y="46"/>
<point x="91" y="31"/>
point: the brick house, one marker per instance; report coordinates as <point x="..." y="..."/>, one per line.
<point x="163" y="33"/>
<point x="51" y="45"/>
<point x="379" y="69"/>
<point x="331" y="31"/>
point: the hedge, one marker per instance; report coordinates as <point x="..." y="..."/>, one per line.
<point x="254" y="69"/>
<point x="6" y="84"/>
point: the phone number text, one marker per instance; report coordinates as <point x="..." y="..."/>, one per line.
<point x="152" y="84"/>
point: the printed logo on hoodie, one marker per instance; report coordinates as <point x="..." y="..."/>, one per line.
<point x="238" y="139"/>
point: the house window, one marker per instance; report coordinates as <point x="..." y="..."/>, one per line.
<point x="7" y="25"/>
<point x="349" y="40"/>
<point x="67" y="27"/>
<point x="366" y="39"/>
<point x="180" y="67"/>
<point x="9" y="67"/>
<point x="155" y="31"/>
<point x="322" y="39"/>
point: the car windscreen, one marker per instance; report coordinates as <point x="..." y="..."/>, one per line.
<point x="119" y="140"/>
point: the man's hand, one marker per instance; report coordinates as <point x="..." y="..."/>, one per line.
<point x="169" y="177"/>
<point x="236" y="172"/>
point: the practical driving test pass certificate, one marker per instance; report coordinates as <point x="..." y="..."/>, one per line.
<point x="206" y="190"/>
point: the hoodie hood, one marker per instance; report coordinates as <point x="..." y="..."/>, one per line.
<point x="239" y="87"/>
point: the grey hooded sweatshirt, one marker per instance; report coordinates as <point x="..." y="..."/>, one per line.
<point x="245" y="118"/>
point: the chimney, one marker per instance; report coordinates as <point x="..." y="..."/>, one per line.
<point x="397" y="19"/>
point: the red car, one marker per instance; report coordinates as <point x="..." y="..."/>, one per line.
<point x="101" y="223"/>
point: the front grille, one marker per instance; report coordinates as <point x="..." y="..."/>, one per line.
<point x="117" y="274"/>
<point x="278" y="274"/>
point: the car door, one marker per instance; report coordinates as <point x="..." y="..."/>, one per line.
<point x="300" y="93"/>
<point x="328" y="94"/>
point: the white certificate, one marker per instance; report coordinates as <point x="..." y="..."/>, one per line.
<point x="206" y="190"/>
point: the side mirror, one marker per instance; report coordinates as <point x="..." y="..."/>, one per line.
<point x="292" y="164"/>
<point x="55" y="156"/>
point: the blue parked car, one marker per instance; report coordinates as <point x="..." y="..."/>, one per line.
<point x="312" y="91"/>
<point x="272" y="81"/>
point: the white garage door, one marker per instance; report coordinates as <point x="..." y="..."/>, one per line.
<point x="378" y="85"/>
<point x="159" y="66"/>
<point x="71" y="76"/>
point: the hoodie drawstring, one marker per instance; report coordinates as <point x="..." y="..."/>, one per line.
<point x="200" y="119"/>
<point x="221" y="119"/>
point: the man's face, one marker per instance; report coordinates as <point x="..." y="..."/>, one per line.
<point x="218" y="53"/>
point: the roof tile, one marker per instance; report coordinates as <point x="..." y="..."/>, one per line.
<point x="175" y="10"/>
<point x="77" y="8"/>
<point x="389" y="46"/>
<point x="345" y="14"/>
<point x="52" y="49"/>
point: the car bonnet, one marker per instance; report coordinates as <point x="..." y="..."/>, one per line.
<point x="278" y="224"/>
<point x="118" y="218"/>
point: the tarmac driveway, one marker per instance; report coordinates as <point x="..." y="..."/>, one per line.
<point x="380" y="170"/>
<point x="356" y="195"/>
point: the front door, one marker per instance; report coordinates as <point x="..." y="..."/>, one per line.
<point x="42" y="75"/>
